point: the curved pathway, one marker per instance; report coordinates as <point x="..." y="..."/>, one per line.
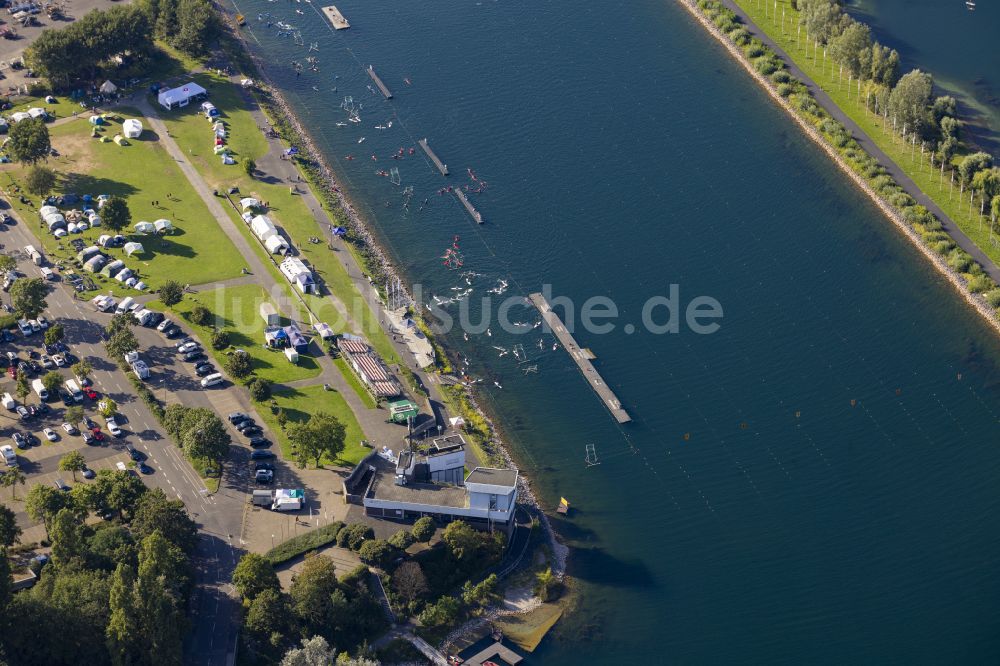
<point x="870" y="146"/>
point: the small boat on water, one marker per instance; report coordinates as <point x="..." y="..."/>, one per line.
<point x="563" y="506"/>
<point x="341" y="124"/>
<point x="241" y="20"/>
<point x="361" y="140"/>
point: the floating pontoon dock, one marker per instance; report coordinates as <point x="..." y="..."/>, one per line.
<point x="336" y="18"/>
<point x="441" y="166"/>
<point x="581" y="357"/>
<point x="378" y="82"/>
<point x="476" y="215"/>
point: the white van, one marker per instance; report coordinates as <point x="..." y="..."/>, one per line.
<point x="212" y="380"/>
<point x="9" y="456"/>
<point x="74" y="390"/>
<point x="124" y="306"/>
<point x="8" y="401"/>
<point x="143" y="316"/>
<point x="39" y="388"/>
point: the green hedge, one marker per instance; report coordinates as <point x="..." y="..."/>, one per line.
<point x="303" y="543"/>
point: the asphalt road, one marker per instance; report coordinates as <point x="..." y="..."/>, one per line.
<point x="214" y="621"/>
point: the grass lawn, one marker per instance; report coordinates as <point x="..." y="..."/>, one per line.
<point x="828" y="77"/>
<point x="298" y="404"/>
<point x="237" y="311"/>
<point x="143" y="172"/>
<point x="288" y="211"/>
<point x="352" y="379"/>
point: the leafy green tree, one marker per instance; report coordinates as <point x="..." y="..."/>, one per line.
<point x="27" y="295"/>
<point x="124" y="633"/>
<point x="944" y="107"/>
<point x="39" y="180"/>
<point x="10" y="532"/>
<point x="44" y="502"/>
<point x="121" y="342"/>
<point x="357" y="534"/>
<point x="377" y="552"/>
<point x="259" y="388"/>
<point x="107" y="408"/>
<point x="66" y="535"/>
<point x="823" y="20"/>
<point x="11" y="479"/>
<point x="53" y="381"/>
<point x="443" y="613"/>
<point x="323" y="434"/>
<point x="119" y="322"/>
<point x="482" y="594"/>
<point x="311" y="591"/>
<point x="253" y="575"/>
<point x="238" y="364"/>
<point x="205" y="436"/>
<point x="55" y="333"/>
<point x="423" y="529"/>
<point x="22" y="387"/>
<point x="315" y="651"/>
<point x="267" y="616"/>
<point x="249" y="166"/>
<point x="462" y="540"/>
<point x="201" y="315"/>
<point x="120" y="490"/>
<point x="28" y="141"/>
<point x="82" y="368"/>
<point x="197" y="26"/>
<point x="171" y="293"/>
<point x="109" y="545"/>
<point x="908" y="102"/>
<point x="173" y="419"/>
<point x="73" y="462"/>
<point x="115" y="214"/>
<point x="852" y="49"/>
<point x="409" y="581"/>
<point x="156" y="512"/>
<point x="973" y="164"/>
<point x="73" y="414"/>
<point x="884" y="65"/>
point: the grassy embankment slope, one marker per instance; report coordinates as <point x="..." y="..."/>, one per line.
<point x="768" y="16"/>
<point x="143" y="172"/>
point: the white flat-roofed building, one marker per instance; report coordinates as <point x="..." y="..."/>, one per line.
<point x="180" y="96"/>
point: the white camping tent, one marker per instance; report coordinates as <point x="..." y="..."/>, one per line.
<point x="45" y="210"/>
<point x="36" y="112"/>
<point x="109" y="88"/>
<point x="19" y="116"/>
<point x="132" y="128"/>
<point x="162" y="226"/>
<point x="103" y="239"/>
<point x="276" y="244"/>
<point x="132" y="248"/>
<point x="249" y="202"/>
<point x="144" y="227"/>
<point x="262" y="227"/>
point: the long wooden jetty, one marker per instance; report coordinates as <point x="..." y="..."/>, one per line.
<point x="581" y="357"/>
<point x="476" y="215"/>
<point x="336" y="18"/>
<point x="378" y="82"/>
<point x="441" y="166"/>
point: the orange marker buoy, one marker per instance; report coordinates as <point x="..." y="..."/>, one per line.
<point x="687" y="436"/>
<point x="743" y="426"/>
<point x="853" y="402"/>
<point x="798" y="414"/>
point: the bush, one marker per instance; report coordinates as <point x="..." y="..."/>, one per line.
<point x="943" y="247"/>
<point x="993" y="297"/>
<point x="357" y="534"/>
<point x="200" y="315"/>
<point x="754" y="49"/>
<point x="785" y="89"/>
<point x="765" y="65"/>
<point x="220" y="339"/>
<point x="402" y="539"/>
<point x="424" y="529"/>
<point x="259" y="389"/>
<point x="377" y="552"/>
<point x="8" y="321"/>
<point x="959" y="260"/>
<point x="980" y="284"/>
<point x="342" y="536"/>
<point x="304" y="543"/>
<point x="781" y="76"/>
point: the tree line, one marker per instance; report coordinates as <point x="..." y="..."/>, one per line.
<point x="101" y="41"/>
<point x="114" y="591"/>
<point x="912" y="91"/>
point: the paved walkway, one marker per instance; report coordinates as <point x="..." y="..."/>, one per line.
<point x="871" y="147"/>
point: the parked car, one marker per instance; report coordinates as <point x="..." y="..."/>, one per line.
<point x="264" y="476"/>
<point x="244" y="424"/>
<point x="259" y="442"/>
<point x="98" y="435"/>
<point x="262" y="465"/>
<point x="60" y="485"/>
<point x="70" y="429"/>
<point x="23" y="412"/>
<point x="113" y="427"/>
<point x="252" y="431"/>
<point x="133" y="453"/>
<point x="155" y="319"/>
<point x="88" y="473"/>
<point x="172" y="332"/>
<point x="188" y="347"/>
<point x="50" y="434"/>
<point x="164" y="325"/>
<point x="59" y="360"/>
<point x="183" y="341"/>
<point x="19" y="440"/>
<point x="47" y="362"/>
<point x="91" y="394"/>
<point x="43" y="322"/>
<point x="204" y="369"/>
<point x="236" y="417"/>
<point x="261" y="454"/>
<point x="194" y="356"/>
<point x="88" y="438"/>
<point x="144" y="468"/>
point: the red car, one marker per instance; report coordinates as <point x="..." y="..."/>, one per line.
<point x="12" y="371"/>
<point x="90" y="393"/>
<point x="98" y="435"/>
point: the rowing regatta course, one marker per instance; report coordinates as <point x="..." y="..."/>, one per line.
<point x="815" y="482"/>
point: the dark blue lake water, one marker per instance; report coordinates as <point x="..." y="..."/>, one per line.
<point x="816" y="482"/>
